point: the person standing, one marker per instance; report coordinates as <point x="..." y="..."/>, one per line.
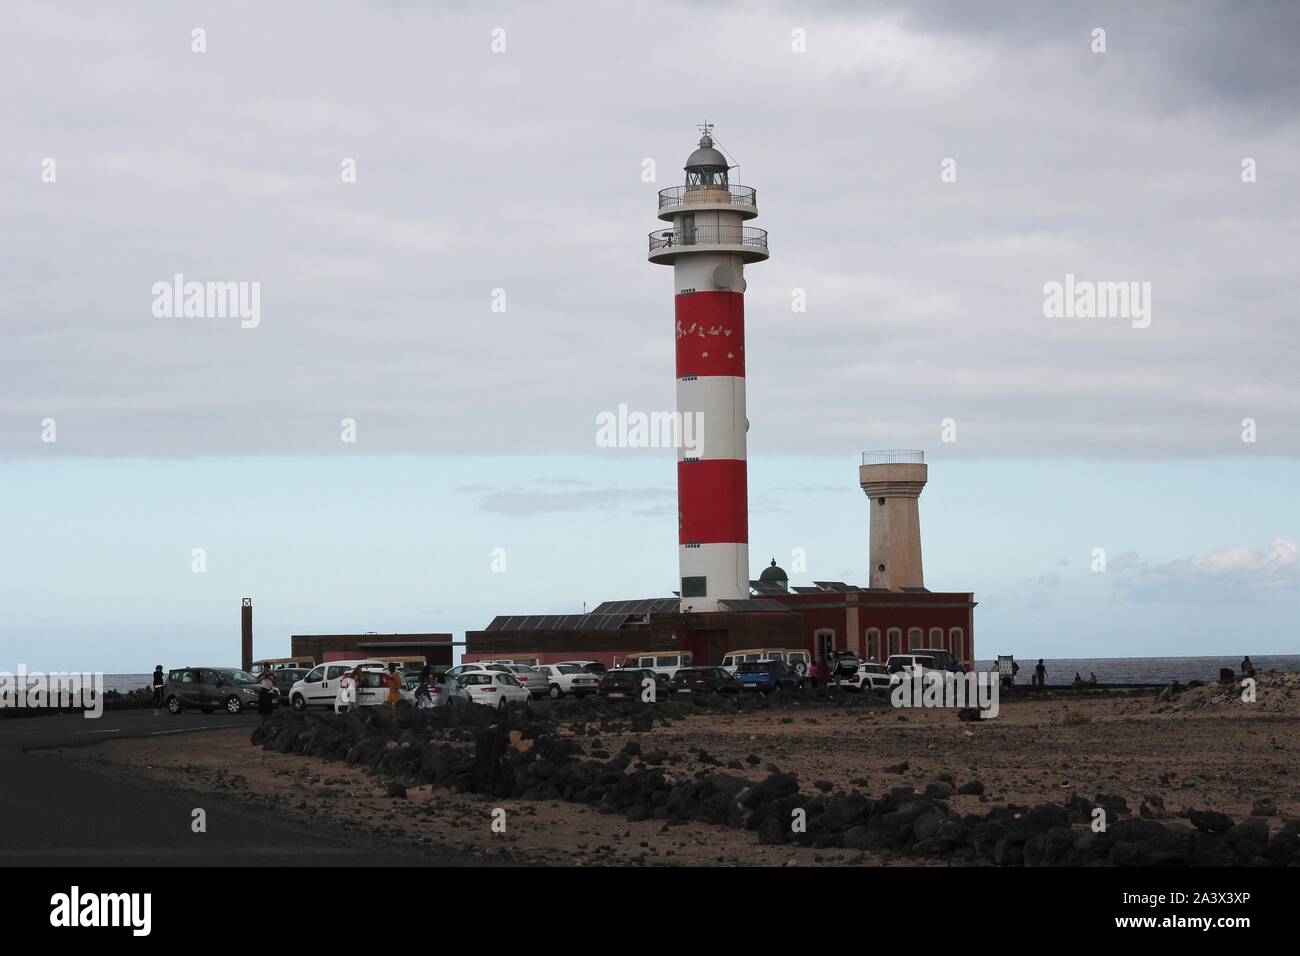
<point x="347" y="692"/>
<point x="394" y="681"/>
<point x="1247" y="667"/>
<point x="266" y="693"/>
<point x="158" y="681"/>
<point x="1040" y="673"/>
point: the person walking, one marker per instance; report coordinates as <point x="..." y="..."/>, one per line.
<point x="1040" y="673"/>
<point x="158" y="681"/>
<point x="347" y="692"/>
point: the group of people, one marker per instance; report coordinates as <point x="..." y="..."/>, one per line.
<point x="350" y="685"/>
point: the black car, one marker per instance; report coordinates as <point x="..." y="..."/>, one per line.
<point x="286" y="677"/>
<point x="844" y="664"/>
<point x="625" y="683"/>
<point x="703" y="680"/>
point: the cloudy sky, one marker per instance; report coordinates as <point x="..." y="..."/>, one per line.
<point x="500" y="154"/>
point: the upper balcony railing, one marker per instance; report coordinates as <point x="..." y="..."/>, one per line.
<point x="711" y="195"/>
<point x="709" y="236"/>
<point x="894" y="456"/>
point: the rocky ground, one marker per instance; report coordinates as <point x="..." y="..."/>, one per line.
<point x="1188" y="776"/>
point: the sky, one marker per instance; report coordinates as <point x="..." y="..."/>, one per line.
<point x="477" y="294"/>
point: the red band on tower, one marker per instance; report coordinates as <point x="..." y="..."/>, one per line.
<point x="711" y="502"/>
<point x="710" y="334"/>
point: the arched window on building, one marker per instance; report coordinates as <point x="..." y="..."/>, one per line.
<point x="957" y="638"/>
<point x="895" y="641"/>
<point x="936" y="639"/>
<point x="915" y="637"/>
<point x="824" y="642"/>
<point x="873" y="644"/>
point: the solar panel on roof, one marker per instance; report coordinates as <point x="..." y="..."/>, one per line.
<point x="804" y="590"/>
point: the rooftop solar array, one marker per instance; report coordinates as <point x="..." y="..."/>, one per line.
<point x="557" y="622"/>
<point x="767" y="587"/>
<point x="807" y="590"/>
<point x="752" y="604"/>
<point x="643" y="606"/>
<point x="838" y="586"/>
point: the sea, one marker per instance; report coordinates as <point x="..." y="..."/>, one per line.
<point x="1060" y="670"/>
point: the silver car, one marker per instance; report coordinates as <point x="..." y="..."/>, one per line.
<point x="531" y="679"/>
<point x="444" y="692"/>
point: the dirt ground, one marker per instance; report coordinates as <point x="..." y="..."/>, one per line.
<point x="1203" y="749"/>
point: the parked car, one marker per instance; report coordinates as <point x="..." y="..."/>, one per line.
<point x="495" y="689"/>
<point x="285" y="678"/>
<point x="767" y="676"/>
<point x="493" y="666"/>
<point x="591" y="667"/>
<point x="661" y="663"/>
<point x="797" y="659"/>
<point x="209" y="688"/>
<point x="531" y="678"/>
<point x="844" y="664"/>
<point x="899" y="663"/>
<point x="447" y="692"/>
<point x="372" y="689"/>
<point x="320" y="688"/>
<point x="568" y="679"/>
<point x="869" y="677"/>
<point x="943" y="660"/>
<point x="703" y="680"/>
<point x="625" y="683"/>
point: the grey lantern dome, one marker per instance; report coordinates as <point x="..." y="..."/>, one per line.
<point x="706" y="167"/>
<point x="773" y="573"/>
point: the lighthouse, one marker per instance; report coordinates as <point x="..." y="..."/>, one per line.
<point x="708" y="245"/>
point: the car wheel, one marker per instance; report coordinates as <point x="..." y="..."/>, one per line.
<point x="299" y="702"/>
<point x="556" y="693"/>
<point x="174" y="705"/>
<point x="233" y="704"/>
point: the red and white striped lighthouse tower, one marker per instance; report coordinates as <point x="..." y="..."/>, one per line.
<point x="708" y="247"/>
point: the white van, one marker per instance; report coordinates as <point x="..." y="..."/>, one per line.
<point x="320" y="688"/>
<point x="661" y="663"/>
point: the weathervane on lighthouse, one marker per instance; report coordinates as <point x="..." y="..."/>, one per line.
<point x="708" y="247"/>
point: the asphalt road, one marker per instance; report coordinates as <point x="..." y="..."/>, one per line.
<point x="58" y="813"/>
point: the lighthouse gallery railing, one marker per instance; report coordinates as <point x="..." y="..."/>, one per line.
<point x="709" y="236"/>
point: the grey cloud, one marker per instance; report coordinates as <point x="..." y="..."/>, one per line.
<point x="516" y="171"/>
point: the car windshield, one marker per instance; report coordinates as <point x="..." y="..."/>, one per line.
<point x="694" y="672"/>
<point x="570" y="669"/>
<point x="524" y="669"/>
<point x="925" y="661"/>
<point x="757" y="667"/>
<point x="476" y="677"/>
<point x="240" y="677"/>
<point x="875" y="668"/>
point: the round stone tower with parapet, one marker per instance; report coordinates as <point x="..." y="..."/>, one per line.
<point x="893" y="480"/>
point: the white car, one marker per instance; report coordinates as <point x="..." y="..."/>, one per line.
<point x="868" y="677"/>
<point x="320" y="688"/>
<point x="460" y="669"/>
<point x="495" y="689"/>
<point x="569" y="679"/>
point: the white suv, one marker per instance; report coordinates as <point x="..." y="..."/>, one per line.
<point x="320" y="688"/>
<point x="569" y="679"/>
